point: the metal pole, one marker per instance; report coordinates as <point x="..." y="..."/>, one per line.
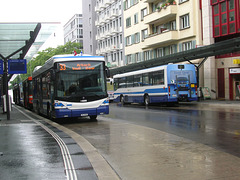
<point x="6" y="88"/>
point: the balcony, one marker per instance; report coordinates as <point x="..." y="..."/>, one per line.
<point x="102" y="5"/>
<point x="108" y="2"/>
<point x="150" y="1"/>
<point x="114" y="47"/>
<point x="97" y="9"/>
<point x="97" y="23"/>
<point x="114" y="13"/>
<point x="162" y="38"/>
<point x="114" y="30"/>
<point x="163" y="14"/>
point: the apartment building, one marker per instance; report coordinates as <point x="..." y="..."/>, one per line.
<point x="109" y="37"/>
<point x="73" y="29"/>
<point x="155" y="28"/>
<point x="89" y="30"/>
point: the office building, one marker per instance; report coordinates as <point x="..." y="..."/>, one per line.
<point x="73" y="29"/>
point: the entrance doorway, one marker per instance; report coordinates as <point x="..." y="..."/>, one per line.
<point x="221" y="84"/>
<point x="234" y="84"/>
<point x="236" y="90"/>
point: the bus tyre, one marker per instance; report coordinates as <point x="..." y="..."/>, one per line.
<point x="93" y="118"/>
<point x="146" y="100"/>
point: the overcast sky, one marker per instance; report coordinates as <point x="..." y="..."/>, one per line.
<point x="41" y="11"/>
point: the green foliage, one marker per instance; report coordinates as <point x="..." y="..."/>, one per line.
<point x="44" y="55"/>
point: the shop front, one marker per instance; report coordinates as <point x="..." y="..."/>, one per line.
<point x="234" y="83"/>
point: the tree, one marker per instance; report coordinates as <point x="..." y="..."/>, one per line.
<point x="44" y="55"/>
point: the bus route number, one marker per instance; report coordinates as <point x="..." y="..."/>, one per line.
<point x="62" y="67"/>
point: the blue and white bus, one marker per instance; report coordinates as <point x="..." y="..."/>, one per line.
<point x="168" y="83"/>
<point x="71" y="86"/>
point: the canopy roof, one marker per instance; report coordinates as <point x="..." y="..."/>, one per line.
<point x="15" y="38"/>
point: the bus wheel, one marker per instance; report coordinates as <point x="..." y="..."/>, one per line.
<point x="146" y="100"/>
<point x="93" y="118"/>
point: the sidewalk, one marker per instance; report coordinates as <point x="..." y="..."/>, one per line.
<point x="31" y="148"/>
<point x="24" y="151"/>
<point x="220" y="103"/>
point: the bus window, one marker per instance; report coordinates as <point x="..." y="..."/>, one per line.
<point x="157" y="78"/>
<point x="116" y="84"/>
<point x="145" y="79"/>
<point x="122" y="82"/>
<point x="130" y="81"/>
<point x="137" y="80"/>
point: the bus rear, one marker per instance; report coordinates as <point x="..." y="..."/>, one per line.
<point x="182" y="79"/>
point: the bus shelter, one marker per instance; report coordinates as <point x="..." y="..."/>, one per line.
<point x="20" y="41"/>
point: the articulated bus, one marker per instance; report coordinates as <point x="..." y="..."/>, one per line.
<point x="170" y="83"/>
<point x="71" y="86"/>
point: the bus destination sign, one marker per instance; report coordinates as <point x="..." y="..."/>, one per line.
<point x="76" y="67"/>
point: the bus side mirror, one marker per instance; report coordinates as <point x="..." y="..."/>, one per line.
<point x="53" y="75"/>
<point x="107" y="71"/>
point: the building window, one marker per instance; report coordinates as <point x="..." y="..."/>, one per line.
<point x="143" y="13"/>
<point x="144" y="34"/>
<point x="137" y="37"/>
<point x="224" y="17"/>
<point x="128" y="40"/>
<point x="184" y="21"/>
<point x="147" y="55"/>
<point x="136" y="18"/>
<point x="137" y="57"/>
<point x="186" y="46"/>
<point x="160" y="52"/>
<point x="128" y="22"/>
<point x="129" y="59"/>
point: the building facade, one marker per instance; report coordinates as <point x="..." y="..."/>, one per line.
<point x="225" y="19"/>
<point x="89" y="30"/>
<point x="109" y="37"/>
<point x="73" y="29"/>
<point x="221" y="74"/>
<point x="156" y="28"/>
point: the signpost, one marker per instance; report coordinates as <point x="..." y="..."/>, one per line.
<point x="11" y="66"/>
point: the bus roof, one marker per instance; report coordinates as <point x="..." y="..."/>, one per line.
<point x="62" y="58"/>
<point x="150" y="70"/>
<point x="139" y="71"/>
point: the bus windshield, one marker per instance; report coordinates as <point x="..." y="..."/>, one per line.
<point x="78" y="81"/>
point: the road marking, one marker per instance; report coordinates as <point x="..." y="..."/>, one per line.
<point x="68" y="163"/>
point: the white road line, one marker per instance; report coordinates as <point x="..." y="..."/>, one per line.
<point x="68" y="163"/>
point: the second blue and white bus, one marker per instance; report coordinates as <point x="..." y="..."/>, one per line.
<point x="71" y="86"/>
<point x="169" y="83"/>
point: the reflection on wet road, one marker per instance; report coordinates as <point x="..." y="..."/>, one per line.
<point x="182" y="142"/>
<point x="216" y="127"/>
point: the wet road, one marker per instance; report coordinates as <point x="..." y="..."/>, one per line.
<point x="213" y="126"/>
<point x="184" y="142"/>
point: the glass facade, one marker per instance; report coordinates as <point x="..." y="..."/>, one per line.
<point x="225" y="17"/>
